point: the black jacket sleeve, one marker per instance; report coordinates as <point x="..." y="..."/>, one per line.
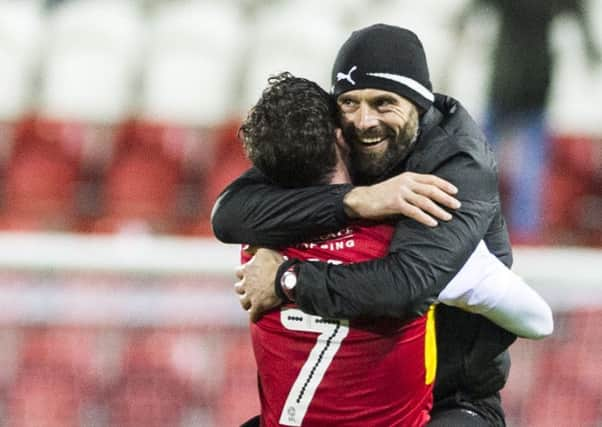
<point x="421" y="260"/>
<point x="255" y="211"/>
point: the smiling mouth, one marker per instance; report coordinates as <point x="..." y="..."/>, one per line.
<point x="371" y="142"/>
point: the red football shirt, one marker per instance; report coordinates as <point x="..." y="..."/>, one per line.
<point x="325" y="372"/>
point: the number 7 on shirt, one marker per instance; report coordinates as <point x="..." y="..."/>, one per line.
<point x="331" y="334"/>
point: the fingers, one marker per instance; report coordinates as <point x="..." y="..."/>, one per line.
<point x="245" y="303"/>
<point x="425" y="198"/>
<point x="437" y="195"/>
<point x="239" y="287"/>
<point x="255" y="314"/>
<point x="440" y="183"/>
<point x="239" y="271"/>
<point x="417" y="214"/>
<point x="415" y="205"/>
<point x="434" y="188"/>
<point x="255" y="310"/>
<point x="429" y="207"/>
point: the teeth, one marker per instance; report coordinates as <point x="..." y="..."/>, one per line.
<point x="371" y="140"/>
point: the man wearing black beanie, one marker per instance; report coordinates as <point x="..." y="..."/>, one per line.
<point x="384" y="57"/>
<point x="393" y="124"/>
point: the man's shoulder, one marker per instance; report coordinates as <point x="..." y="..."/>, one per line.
<point x="448" y="130"/>
<point x="453" y="122"/>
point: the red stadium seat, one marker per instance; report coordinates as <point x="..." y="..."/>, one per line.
<point x="573" y="196"/>
<point x="230" y="161"/>
<point x="148" y="350"/>
<point x="564" y="388"/>
<point x="41" y="176"/>
<point x="185" y="359"/>
<point x="560" y="215"/>
<point x="525" y="358"/>
<point x="175" y="356"/>
<point x="63" y="351"/>
<point x="238" y="399"/>
<point x="41" y="398"/>
<point x="164" y="375"/>
<point x="141" y="187"/>
<point x="150" y="400"/>
<point x="148" y="185"/>
<point x="576" y="155"/>
<point x="562" y="405"/>
<point x="583" y="351"/>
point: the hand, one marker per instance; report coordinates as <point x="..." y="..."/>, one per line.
<point x="411" y="194"/>
<point x="256" y="286"/>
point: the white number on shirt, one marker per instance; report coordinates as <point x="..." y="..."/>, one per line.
<point x="331" y="335"/>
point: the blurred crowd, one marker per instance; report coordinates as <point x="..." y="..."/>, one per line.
<point x="122" y="115"/>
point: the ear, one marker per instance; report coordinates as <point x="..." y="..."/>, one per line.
<point x="340" y="140"/>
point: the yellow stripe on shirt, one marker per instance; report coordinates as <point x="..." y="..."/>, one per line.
<point x="430" y="346"/>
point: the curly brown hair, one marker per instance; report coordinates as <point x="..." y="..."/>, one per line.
<point x="289" y="135"/>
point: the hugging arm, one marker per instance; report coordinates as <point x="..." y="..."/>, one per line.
<point x="486" y="286"/>
<point x="422" y="260"/>
<point x="255" y="211"/>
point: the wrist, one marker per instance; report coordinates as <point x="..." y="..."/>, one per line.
<point x="352" y="202"/>
<point x="286" y="280"/>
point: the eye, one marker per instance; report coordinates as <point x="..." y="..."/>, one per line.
<point x="346" y="103"/>
<point x="383" y="102"/>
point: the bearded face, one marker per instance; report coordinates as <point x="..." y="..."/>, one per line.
<point x="380" y="128"/>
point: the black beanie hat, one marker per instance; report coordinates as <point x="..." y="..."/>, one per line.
<point x="384" y="57"/>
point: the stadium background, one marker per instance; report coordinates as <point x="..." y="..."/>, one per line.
<point x="118" y="124"/>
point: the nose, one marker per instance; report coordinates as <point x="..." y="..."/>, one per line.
<point x="366" y="118"/>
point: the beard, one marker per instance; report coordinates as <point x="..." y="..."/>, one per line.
<point x="366" y="167"/>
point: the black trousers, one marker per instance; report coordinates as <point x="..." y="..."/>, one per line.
<point x="462" y="411"/>
<point x="458" y="417"/>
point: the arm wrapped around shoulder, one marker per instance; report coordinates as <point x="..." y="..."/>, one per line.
<point x="486" y="286"/>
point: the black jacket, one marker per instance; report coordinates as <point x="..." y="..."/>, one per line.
<point x="472" y="350"/>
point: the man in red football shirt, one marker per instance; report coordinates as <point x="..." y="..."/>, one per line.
<point x="315" y="371"/>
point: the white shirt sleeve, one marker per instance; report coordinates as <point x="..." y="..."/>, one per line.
<point x="486" y="286"/>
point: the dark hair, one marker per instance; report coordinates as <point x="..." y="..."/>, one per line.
<point x="289" y="135"/>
